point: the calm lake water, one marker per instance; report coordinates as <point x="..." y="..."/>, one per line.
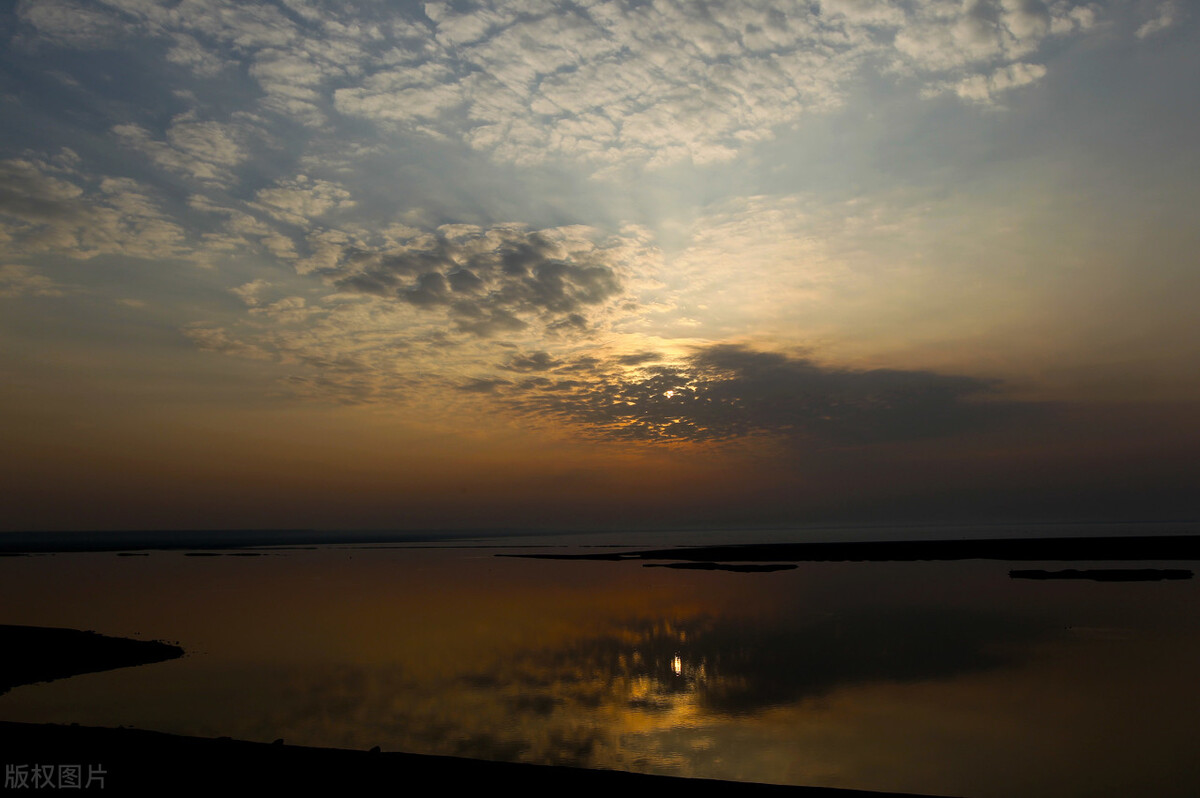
<point x="937" y="677"/>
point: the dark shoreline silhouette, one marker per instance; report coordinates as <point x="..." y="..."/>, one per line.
<point x="1159" y="547"/>
<point x="146" y="762"/>
<point x="41" y="654"/>
<point x="747" y="568"/>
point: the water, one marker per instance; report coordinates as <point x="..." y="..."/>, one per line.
<point x="945" y="678"/>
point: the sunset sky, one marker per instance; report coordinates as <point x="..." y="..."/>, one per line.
<point x="597" y="264"/>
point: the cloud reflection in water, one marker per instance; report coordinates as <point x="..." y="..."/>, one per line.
<point x="617" y="698"/>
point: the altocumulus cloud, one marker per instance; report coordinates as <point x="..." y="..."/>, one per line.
<point x="386" y="316"/>
<point x="615" y="83"/>
<point x="603" y="83"/>
<point x="489" y="282"/>
<point x="51" y="206"/>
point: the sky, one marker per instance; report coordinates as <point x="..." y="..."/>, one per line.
<point x="597" y="264"/>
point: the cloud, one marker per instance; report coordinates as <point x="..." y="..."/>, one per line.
<point x="208" y="151"/>
<point x="602" y="83"/>
<point x="538" y="361"/>
<point x="83" y="25"/>
<point x="638" y="358"/>
<point x="188" y="52"/>
<point x="18" y="280"/>
<point x="726" y="391"/>
<point x="244" y="27"/>
<point x="616" y="84"/>
<point x="299" y="201"/>
<point x="31" y="191"/>
<point x="49" y="206"/>
<point x="1165" y="18"/>
<point x="594" y="325"/>
<point x="216" y="339"/>
<point x="986" y="88"/>
<point x="292" y="60"/>
<point x="241" y="230"/>
<point x="482" y="386"/>
<point x="251" y="292"/>
<point x="382" y="309"/>
<point x="490" y="282"/>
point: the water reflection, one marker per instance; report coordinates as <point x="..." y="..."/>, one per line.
<point x="937" y="678"/>
<point x="650" y="693"/>
<point x="696" y="668"/>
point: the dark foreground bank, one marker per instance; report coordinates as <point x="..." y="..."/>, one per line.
<point x="125" y="761"/>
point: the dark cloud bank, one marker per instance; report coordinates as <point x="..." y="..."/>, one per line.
<point x="727" y="391"/>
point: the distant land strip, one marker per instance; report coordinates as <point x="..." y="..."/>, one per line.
<point x="53" y="542"/>
<point x="1159" y="547"/>
<point x="1123" y="547"/>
